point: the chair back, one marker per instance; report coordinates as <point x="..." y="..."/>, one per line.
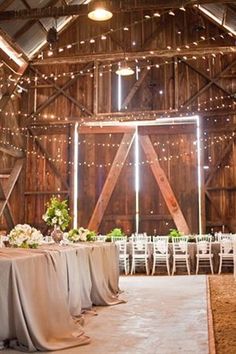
<point x="122" y="244"/>
<point x="226" y="245"/>
<point x="141" y="237"/>
<point x="100" y="238"/>
<point x="160" y="245"/>
<point x="224" y="236"/>
<point x="118" y="238"/>
<point x="203" y="244"/>
<point x="139" y="248"/>
<point x="180" y="245"/>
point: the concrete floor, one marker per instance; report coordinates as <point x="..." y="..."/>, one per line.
<point x="163" y="315"/>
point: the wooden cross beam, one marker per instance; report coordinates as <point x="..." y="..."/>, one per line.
<point x="222" y="219"/>
<point x="164" y="185"/>
<point x="135" y="88"/>
<point x="48" y="158"/>
<point x="111" y="181"/>
<point x="116" y="56"/>
<point x="5" y="192"/>
<point x="219" y="161"/>
<point x="212" y="81"/>
<point x="59" y="91"/>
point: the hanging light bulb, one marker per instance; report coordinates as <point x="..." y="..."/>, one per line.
<point x="124" y="69"/>
<point x="98" y="11"/>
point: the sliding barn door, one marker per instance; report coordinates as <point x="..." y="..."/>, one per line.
<point x="168" y="194"/>
<point x="106" y="192"/>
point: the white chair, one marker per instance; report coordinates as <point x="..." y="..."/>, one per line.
<point x="221" y="236"/>
<point x="101" y="238"/>
<point x="141" y="237"/>
<point x="226" y="252"/>
<point x="180" y="253"/>
<point x="123" y="256"/>
<point x="161" y="254"/>
<point x="118" y="238"/>
<point x="204" y="254"/>
<point x="139" y="255"/>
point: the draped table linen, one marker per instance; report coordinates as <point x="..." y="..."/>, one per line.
<point x="42" y="290"/>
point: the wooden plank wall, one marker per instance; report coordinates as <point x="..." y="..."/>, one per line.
<point x="13" y="140"/>
<point x="179" y="83"/>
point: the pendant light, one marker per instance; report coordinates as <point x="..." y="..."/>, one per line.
<point x="99" y="11"/>
<point x="124" y="69"/>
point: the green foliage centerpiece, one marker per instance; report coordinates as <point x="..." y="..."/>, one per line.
<point x="57" y="215"/>
<point x="174" y="233"/>
<point x="116" y="232"/>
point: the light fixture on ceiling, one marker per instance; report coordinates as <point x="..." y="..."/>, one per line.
<point x="124" y="69"/>
<point x="52" y="35"/>
<point x="99" y="11"/>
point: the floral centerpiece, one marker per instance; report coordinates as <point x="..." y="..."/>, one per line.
<point x="57" y="213"/>
<point x="25" y="236"/>
<point x="81" y="234"/>
<point x="174" y="233"/>
<point x="116" y="232"/>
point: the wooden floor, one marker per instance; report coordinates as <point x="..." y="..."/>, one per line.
<point x="163" y="315"/>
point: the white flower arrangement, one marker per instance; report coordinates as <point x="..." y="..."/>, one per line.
<point x="25" y="236"/>
<point x="57" y="213"/>
<point x="81" y="234"/>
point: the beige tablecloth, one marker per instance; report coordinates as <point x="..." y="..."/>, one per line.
<point x="43" y="290"/>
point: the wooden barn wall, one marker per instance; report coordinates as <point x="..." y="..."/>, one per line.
<point x="221" y="159"/>
<point x="48" y="172"/>
<point x="91" y="94"/>
<point x="11" y="139"/>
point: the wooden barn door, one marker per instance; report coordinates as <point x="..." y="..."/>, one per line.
<point x="168" y="191"/>
<point x="168" y="179"/>
<point x="106" y="194"/>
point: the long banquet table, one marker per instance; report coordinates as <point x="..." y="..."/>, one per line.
<point x="44" y="291"/>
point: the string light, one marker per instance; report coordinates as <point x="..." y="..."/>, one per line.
<point x="112" y="30"/>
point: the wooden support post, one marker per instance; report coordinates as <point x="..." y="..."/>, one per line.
<point x="176" y="84"/>
<point x="95" y="88"/>
<point x="165" y="187"/>
<point x="111" y="181"/>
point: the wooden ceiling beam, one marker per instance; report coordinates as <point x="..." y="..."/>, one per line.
<point x="30" y="23"/>
<point x="82" y="10"/>
<point x="116" y="56"/>
<point x="5" y="4"/>
<point x="134" y="116"/>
